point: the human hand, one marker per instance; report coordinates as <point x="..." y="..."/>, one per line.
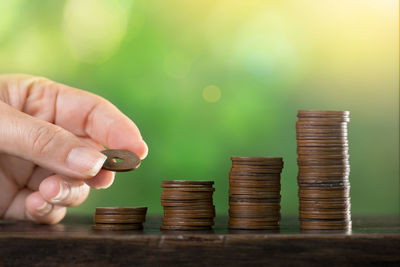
<point x="50" y="138"/>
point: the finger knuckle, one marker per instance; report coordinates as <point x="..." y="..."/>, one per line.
<point x="45" y="138"/>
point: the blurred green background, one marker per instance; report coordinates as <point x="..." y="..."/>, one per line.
<point x="206" y="80"/>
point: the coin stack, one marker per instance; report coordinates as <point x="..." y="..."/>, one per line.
<point x="188" y="205"/>
<point x="254" y="193"/>
<point x="119" y="218"/>
<point x="324" y="168"/>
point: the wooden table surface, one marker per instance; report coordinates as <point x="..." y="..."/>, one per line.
<point x="373" y="241"/>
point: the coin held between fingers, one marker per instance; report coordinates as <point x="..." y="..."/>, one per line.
<point x="120" y="160"/>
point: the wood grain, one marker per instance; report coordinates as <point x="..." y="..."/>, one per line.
<point x="374" y="241"/>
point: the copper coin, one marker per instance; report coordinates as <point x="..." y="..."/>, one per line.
<point x="321" y="120"/>
<point x="323" y="113"/>
<point x="254" y="221"/>
<point x="184" y="223"/>
<point x="180" y="186"/>
<point x="337" y="216"/>
<point x="251" y="164"/>
<point x="319" y="204"/>
<point x="112" y="221"/>
<point x="188" y="182"/>
<point x="188" y="216"/>
<point x="171" y="190"/>
<point x="117" y="227"/>
<point x="119" y="217"/>
<point x="258" y="159"/>
<point x="254" y="213"/>
<point x="235" y="184"/>
<point x="184" y="228"/>
<point x="254" y="200"/>
<point x="256" y="171"/>
<point x="121" y="210"/>
<point x="248" y="227"/>
<point x="165" y="196"/>
<point x="256" y="167"/>
<point x="120" y="160"/>
<point x="253" y="178"/>
<point x="241" y="189"/>
<point x="322" y="130"/>
<point x="324" y="225"/>
<point x="257" y="195"/>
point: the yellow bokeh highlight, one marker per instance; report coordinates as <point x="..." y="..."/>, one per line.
<point x="212" y="93"/>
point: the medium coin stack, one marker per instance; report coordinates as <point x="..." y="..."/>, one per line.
<point x="188" y="205"/>
<point x="254" y="193"/>
<point x="324" y="168"/>
<point x="119" y="218"/>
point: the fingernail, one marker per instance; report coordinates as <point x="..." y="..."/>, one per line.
<point x="44" y="209"/>
<point x="85" y="160"/>
<point x="62" y="195"/>
<point x="146" y="151"/>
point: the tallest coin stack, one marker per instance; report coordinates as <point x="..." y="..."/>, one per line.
<point x="324" y="168"/>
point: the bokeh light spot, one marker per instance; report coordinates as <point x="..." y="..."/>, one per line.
<point x="211" y="93"/>
<point x="94" y="28"/>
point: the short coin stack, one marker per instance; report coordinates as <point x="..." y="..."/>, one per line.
<point x="188" y="205"/>
<point x="254" y="193"/>
<point x="324" y="168"/>
<point x="119" y="218"/>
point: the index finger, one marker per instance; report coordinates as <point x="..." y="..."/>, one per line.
<point x="87" y="114"/>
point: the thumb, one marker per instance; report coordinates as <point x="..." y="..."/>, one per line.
<point x="47" y="145"/>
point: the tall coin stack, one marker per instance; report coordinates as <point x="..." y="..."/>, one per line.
<point x="324" y="168"/>
<point x="188" y="205"/>
<point x="254" y="193"/>
<point x="119" y="218"/>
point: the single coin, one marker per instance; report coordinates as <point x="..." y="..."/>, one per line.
<point x="235" y="183"/>
<point x="251" y="164"/>
<point x="185" y="197"/>
<point x="338" y="113"/>
<point x="184" y="223"/>
<point x="321" y="124"/>
<point x="188" y="216"/>
<point x="254" y="189"/>
<point x="187" y="182"/>
<point x="120" y="160"/>
<point x="254" y="206"/>
<point x="256" y="177"/>
<point x="184" y="228"/>
<point x="189" y="205"/>
<point x="324" y="120"/>
<point x="121" y="210"/>
<point x="258" y="159"/>
<point x="117" y="227"/>
<point x="256" y="167"/>
<point x="254" y="200"/>
<point x="321" y="163"/>
<point x="322" y="138"/>
<point x="171" y="190"/>
<point x="112" y="221"/>
<point x="254" y="214"/>
<point x="141" y="217"/>
<point x="249" y="227"/>
<point x="254" y="171"/>
<point x="181" y="186"/>
<point x="322" y="130"/>
<point x="338" y="216"/>
<point x="255" y="221"/>
<point x="319" y="204"/>
<point x="323" y="157"/>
